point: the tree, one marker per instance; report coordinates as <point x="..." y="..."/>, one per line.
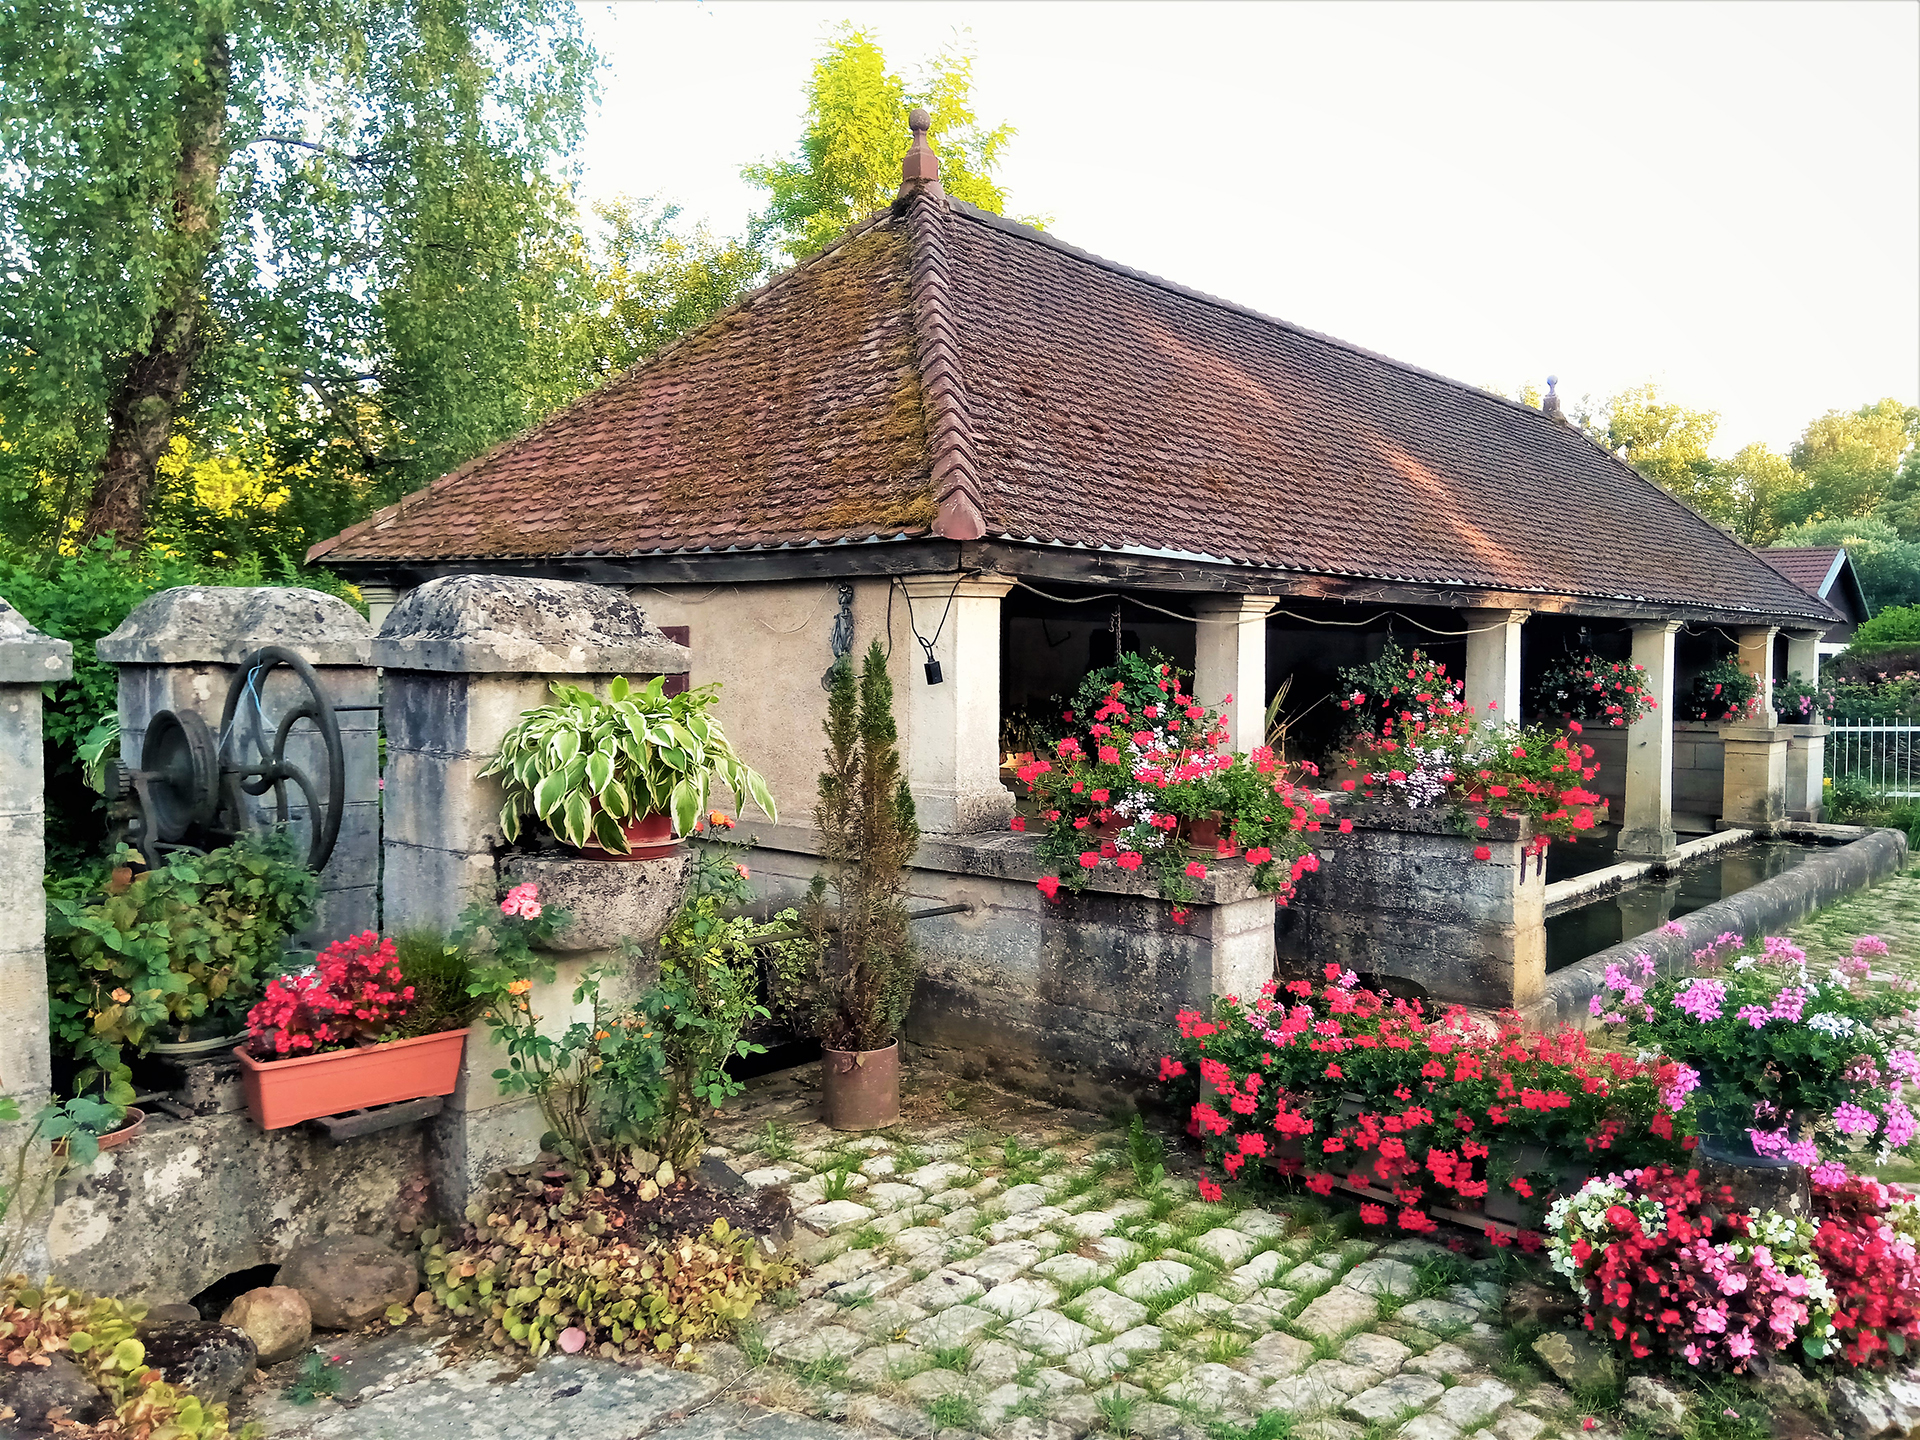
<point x="865" y="965"/>
<point x="1850" y="459"/>
<point x="326" y="225"/>
<point x="1888" y="566"/>
<point x="654" y="284"/>
<point x="1757" y="486"/>
<point x="1667" y="443"/>
<point x="848" y="165"/>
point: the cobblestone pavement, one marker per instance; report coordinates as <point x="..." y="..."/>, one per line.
<point x="995" y="1268"/>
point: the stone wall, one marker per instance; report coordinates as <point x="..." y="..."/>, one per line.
<point x="1403" y="897"/>
<point x="1699" y="774"/>
<point x="1072" y="1002"/>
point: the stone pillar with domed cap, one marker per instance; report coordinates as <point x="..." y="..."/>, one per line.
<point x="464" y="657"/>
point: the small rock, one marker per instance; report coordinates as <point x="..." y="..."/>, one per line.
<point x="179" y="1312"/>
<point x="1580" y="1362"/>
<point x="1655" y="1405"/>
<point x="1156" y="1277"/>
<point x="348" y="1280"/>
<point x="1387" y="1402"/>
<point x="1531" y="1304"/>
<point x="277" y="1320"/>
<point x="1468" y="1407"/>
<point x="1382" y="1276"/>
<point x="1379" y="1353"/>
<point x="1337" y="1312"/>
<point x="1278" y="1356"/>
<point x="1431" y="1426"/>
<point x="212" y="1361"/>
<point x="1443" y="1360"/>
<point x="30" y="1391"/>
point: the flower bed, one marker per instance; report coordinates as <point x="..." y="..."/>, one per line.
<point x="1866" y="1246"/>
<point x="1342" y="1081"/>
<point x="1142" y="783"/>
<point x="1418" y="745"/>
<point x="1772" y="1046"/>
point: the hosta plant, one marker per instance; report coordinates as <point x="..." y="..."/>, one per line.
<point x="583" y="765"/>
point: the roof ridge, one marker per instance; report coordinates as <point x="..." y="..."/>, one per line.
<point x="500" y="448"/>
<point x="1027" y="232"/>
<point x="957" y="495"/>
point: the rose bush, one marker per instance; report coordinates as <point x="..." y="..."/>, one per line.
<point x="1146" y="765"/>
<point x="1770" y="1045"/>
<point x="1441" y="1110"/>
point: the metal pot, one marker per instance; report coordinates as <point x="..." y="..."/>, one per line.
<point x="861" y="1088"/>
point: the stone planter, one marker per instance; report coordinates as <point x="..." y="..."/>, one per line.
<point x="609" y="903"/>
<point x="305" y="1087"/>
<point x="648" y="838"/>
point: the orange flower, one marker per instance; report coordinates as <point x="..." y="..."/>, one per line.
<point x="122" y="996"/>
<point x="519" y="987"/>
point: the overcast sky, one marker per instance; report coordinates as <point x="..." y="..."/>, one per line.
<point x="1724" y="197"/>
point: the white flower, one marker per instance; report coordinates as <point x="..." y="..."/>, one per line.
<point x="1830" y="1024"/>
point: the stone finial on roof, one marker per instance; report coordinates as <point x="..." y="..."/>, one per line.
<point x="1550" y="406"/>
<point x="922" y="166"/>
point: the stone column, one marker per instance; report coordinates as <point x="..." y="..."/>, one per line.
<point x="464" y="657"/>
<point x="953" y="728"/>
<point x="1230" y="658"/>
<point x="1493" y="663"/>
<point x="1756" y="658"/>
<point x="180" y="649"/>
<point x="1806" y="742"/>
<point x="379" y="600"/>
<point x="1646" y="831"/>
<point x="28" y="660"/>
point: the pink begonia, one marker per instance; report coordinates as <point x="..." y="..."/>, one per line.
<point x="1869" y="945"/>
<point x="1850" y="1119"/>
<point x="1701" y="999"/>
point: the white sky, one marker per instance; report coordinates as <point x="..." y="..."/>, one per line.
<point x="1724" y="197"/>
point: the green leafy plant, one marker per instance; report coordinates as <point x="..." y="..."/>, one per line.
<point x="864" y="966"/>
<point x="1721" y="693"/>
<point x="439" y="975"/>
<point x="1586" y="687"/>
<point x="40" y="1322"/>
<point x="141" y="957"/>
<point x="584" y="764"/>
<point x="318" y="1378"/>
<point x="536" y="1268"/>
<point x="1800" y="701"/>
<point x="1147" y="1154"/>
<point x="955" y="1411"/>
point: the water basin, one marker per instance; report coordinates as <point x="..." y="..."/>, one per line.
<point x="1593" y="925"/>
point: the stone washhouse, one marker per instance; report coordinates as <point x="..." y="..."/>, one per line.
<point x="996" y="452"/>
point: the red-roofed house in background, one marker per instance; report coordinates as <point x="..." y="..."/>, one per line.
<point x="1826" y="571"/>
<point x="997" y="451"/>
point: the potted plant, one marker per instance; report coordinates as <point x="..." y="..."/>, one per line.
<point x="1722" y="694"/>
<point x="1582" y="686"/>
<point x="351" y="1031"/>
<point x="1800" y="701"/>
<point x="618" y="776"/>
<point x="860" y="965"/>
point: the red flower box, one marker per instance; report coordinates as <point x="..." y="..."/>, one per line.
<point x="304" y="1087"/>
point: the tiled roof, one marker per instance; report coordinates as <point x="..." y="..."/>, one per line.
<point x="1072" y="402"/>
<point x="1808" y="566"/>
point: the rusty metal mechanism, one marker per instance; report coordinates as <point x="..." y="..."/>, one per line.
<point x="192" y="788"/>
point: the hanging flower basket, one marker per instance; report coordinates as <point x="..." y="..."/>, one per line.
<point x="305" y="1087"/>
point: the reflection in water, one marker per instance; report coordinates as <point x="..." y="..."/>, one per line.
<point x="1594" y="926"/>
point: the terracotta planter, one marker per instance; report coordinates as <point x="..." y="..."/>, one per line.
<point x="861" y="1088"/>
<point x="650" y="838"/>
<point x="305" y="1087"/>
<point x="1205" y="835"/>
<point x="130" y="1130"/>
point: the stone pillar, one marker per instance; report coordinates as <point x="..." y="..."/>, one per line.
<point x="379" y="600"/>
<point x="28" y="660"/>
<point x="1754" y="783"/>
<point x="464" y="657"/>
<point x="1646" y="831"/>
<point x="1230" y="658"/>
<point x="1756" y="658"/>
<point x="180" y="649"/>
<point x="1493" y="663"/>
<point x="953" y="728"/>
<point x="1806" y="742"/>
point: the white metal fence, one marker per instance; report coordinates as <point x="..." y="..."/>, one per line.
<point x="1883" y="755"/>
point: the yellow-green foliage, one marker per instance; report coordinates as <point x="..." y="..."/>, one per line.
<point x="536" y="1267"/>
<point x="37" y="1323"/>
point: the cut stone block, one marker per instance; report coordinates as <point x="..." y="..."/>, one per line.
<point x="998" y="1264"/>
<point x="1445" y="1358"/>
<point x="1436" y="1315"/>
<point x="1339" y="1375"/>
<point x="953" y="1326"/>
<point x="1379" y="1353"/>
<point x="826" y="1343"/>
<point x="1256" y="1274"/>
<point x="1110" y="1311"/>
<point x="1391" y="1399"/>
<point x="1097" y="1362"/>
<point x="1141" y="1340"/>
<point x="1337" y="1313"/>
<point x="882" y="1319"/>
<point x="1260" y="1224"/>
<point x="833" y="1216"/>
<point x="771" y="1175"/>
<point x="1254" y="1318"/>
<point x="1428" y="1427"/>
<point x="883" y="1363"/>
<point x="1019" y="1297"/>
<point x="918" y="1240"/>
<point x="1311" y="1276"/>
<point x="1014" y="1227"/>
<point x="1227" y="1248"/>
<point x="1196" y="1311"/>
<point x="1214" y="1387"/>
<point x="939" y="1176"/>
<point x="1276" y="1357"/>
<point x="1113" y="1250"/>
<point x="1470" y="1406"/>
<point x="1382" y="1276"/>
<point x="890" y="1195"/>
<point x="1087" y="1224"/>
<point x="1156" y="1277"/>
<point x="1024" y="1197"/>
<point x="1070" y="1269"/>
<point x="996" y="1362"/>
<point x="1050" y="1333"/>
<point x="942" y="1289"/>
